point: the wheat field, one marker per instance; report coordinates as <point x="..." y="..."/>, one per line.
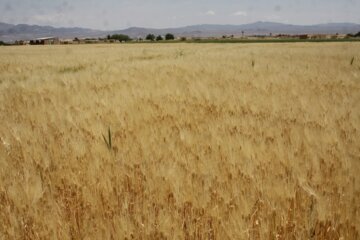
<point x="208" y="141"/>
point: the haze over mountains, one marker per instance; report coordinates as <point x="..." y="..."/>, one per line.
<point x="11" y="32"/>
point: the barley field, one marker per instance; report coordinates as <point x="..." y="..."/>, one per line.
<point x="180" y="141"/>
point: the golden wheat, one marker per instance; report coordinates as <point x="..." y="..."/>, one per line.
<point x="208" y="141"/>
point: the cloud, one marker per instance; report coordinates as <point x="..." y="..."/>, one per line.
<point x="240" y="13"/>
<point x="210" y="13"/>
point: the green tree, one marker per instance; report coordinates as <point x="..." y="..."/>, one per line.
<point x="159" y="38"/>
<point x="169" y="36"/>
<point x="120" y="37"/>
<point x="150" y="37"/>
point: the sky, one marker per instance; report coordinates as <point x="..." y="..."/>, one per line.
<point x="120" y="14"/>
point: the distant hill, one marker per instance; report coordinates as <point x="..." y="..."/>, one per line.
<point x="5" y="26"/>
<point x="9" y="32"/>
<point x="258" y="28"/>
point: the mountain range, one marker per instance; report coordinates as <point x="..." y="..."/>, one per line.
<point x="11" y="32"/>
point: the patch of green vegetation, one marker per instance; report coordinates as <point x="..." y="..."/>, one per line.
<point x="147" y="57"/>
<point x="72" y="69"/>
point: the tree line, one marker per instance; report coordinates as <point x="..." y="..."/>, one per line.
<point x="354" y="35"/>
<point x="149" y="37"/>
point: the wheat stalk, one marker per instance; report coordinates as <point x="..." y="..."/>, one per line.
<point x="108" y="141"/>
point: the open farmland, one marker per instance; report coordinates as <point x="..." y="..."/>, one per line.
<point x="208" y="141"/>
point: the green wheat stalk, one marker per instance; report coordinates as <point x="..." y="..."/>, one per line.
<point x="108" y="141"/>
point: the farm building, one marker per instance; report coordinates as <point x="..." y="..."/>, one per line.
<point x="45" y="41"/>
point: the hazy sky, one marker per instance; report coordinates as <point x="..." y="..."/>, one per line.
<point x="119" y="14"/>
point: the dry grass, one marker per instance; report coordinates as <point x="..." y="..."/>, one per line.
<point x="209" y="141"/>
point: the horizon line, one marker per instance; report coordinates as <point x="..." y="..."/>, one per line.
<point x="200" y="24"/>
